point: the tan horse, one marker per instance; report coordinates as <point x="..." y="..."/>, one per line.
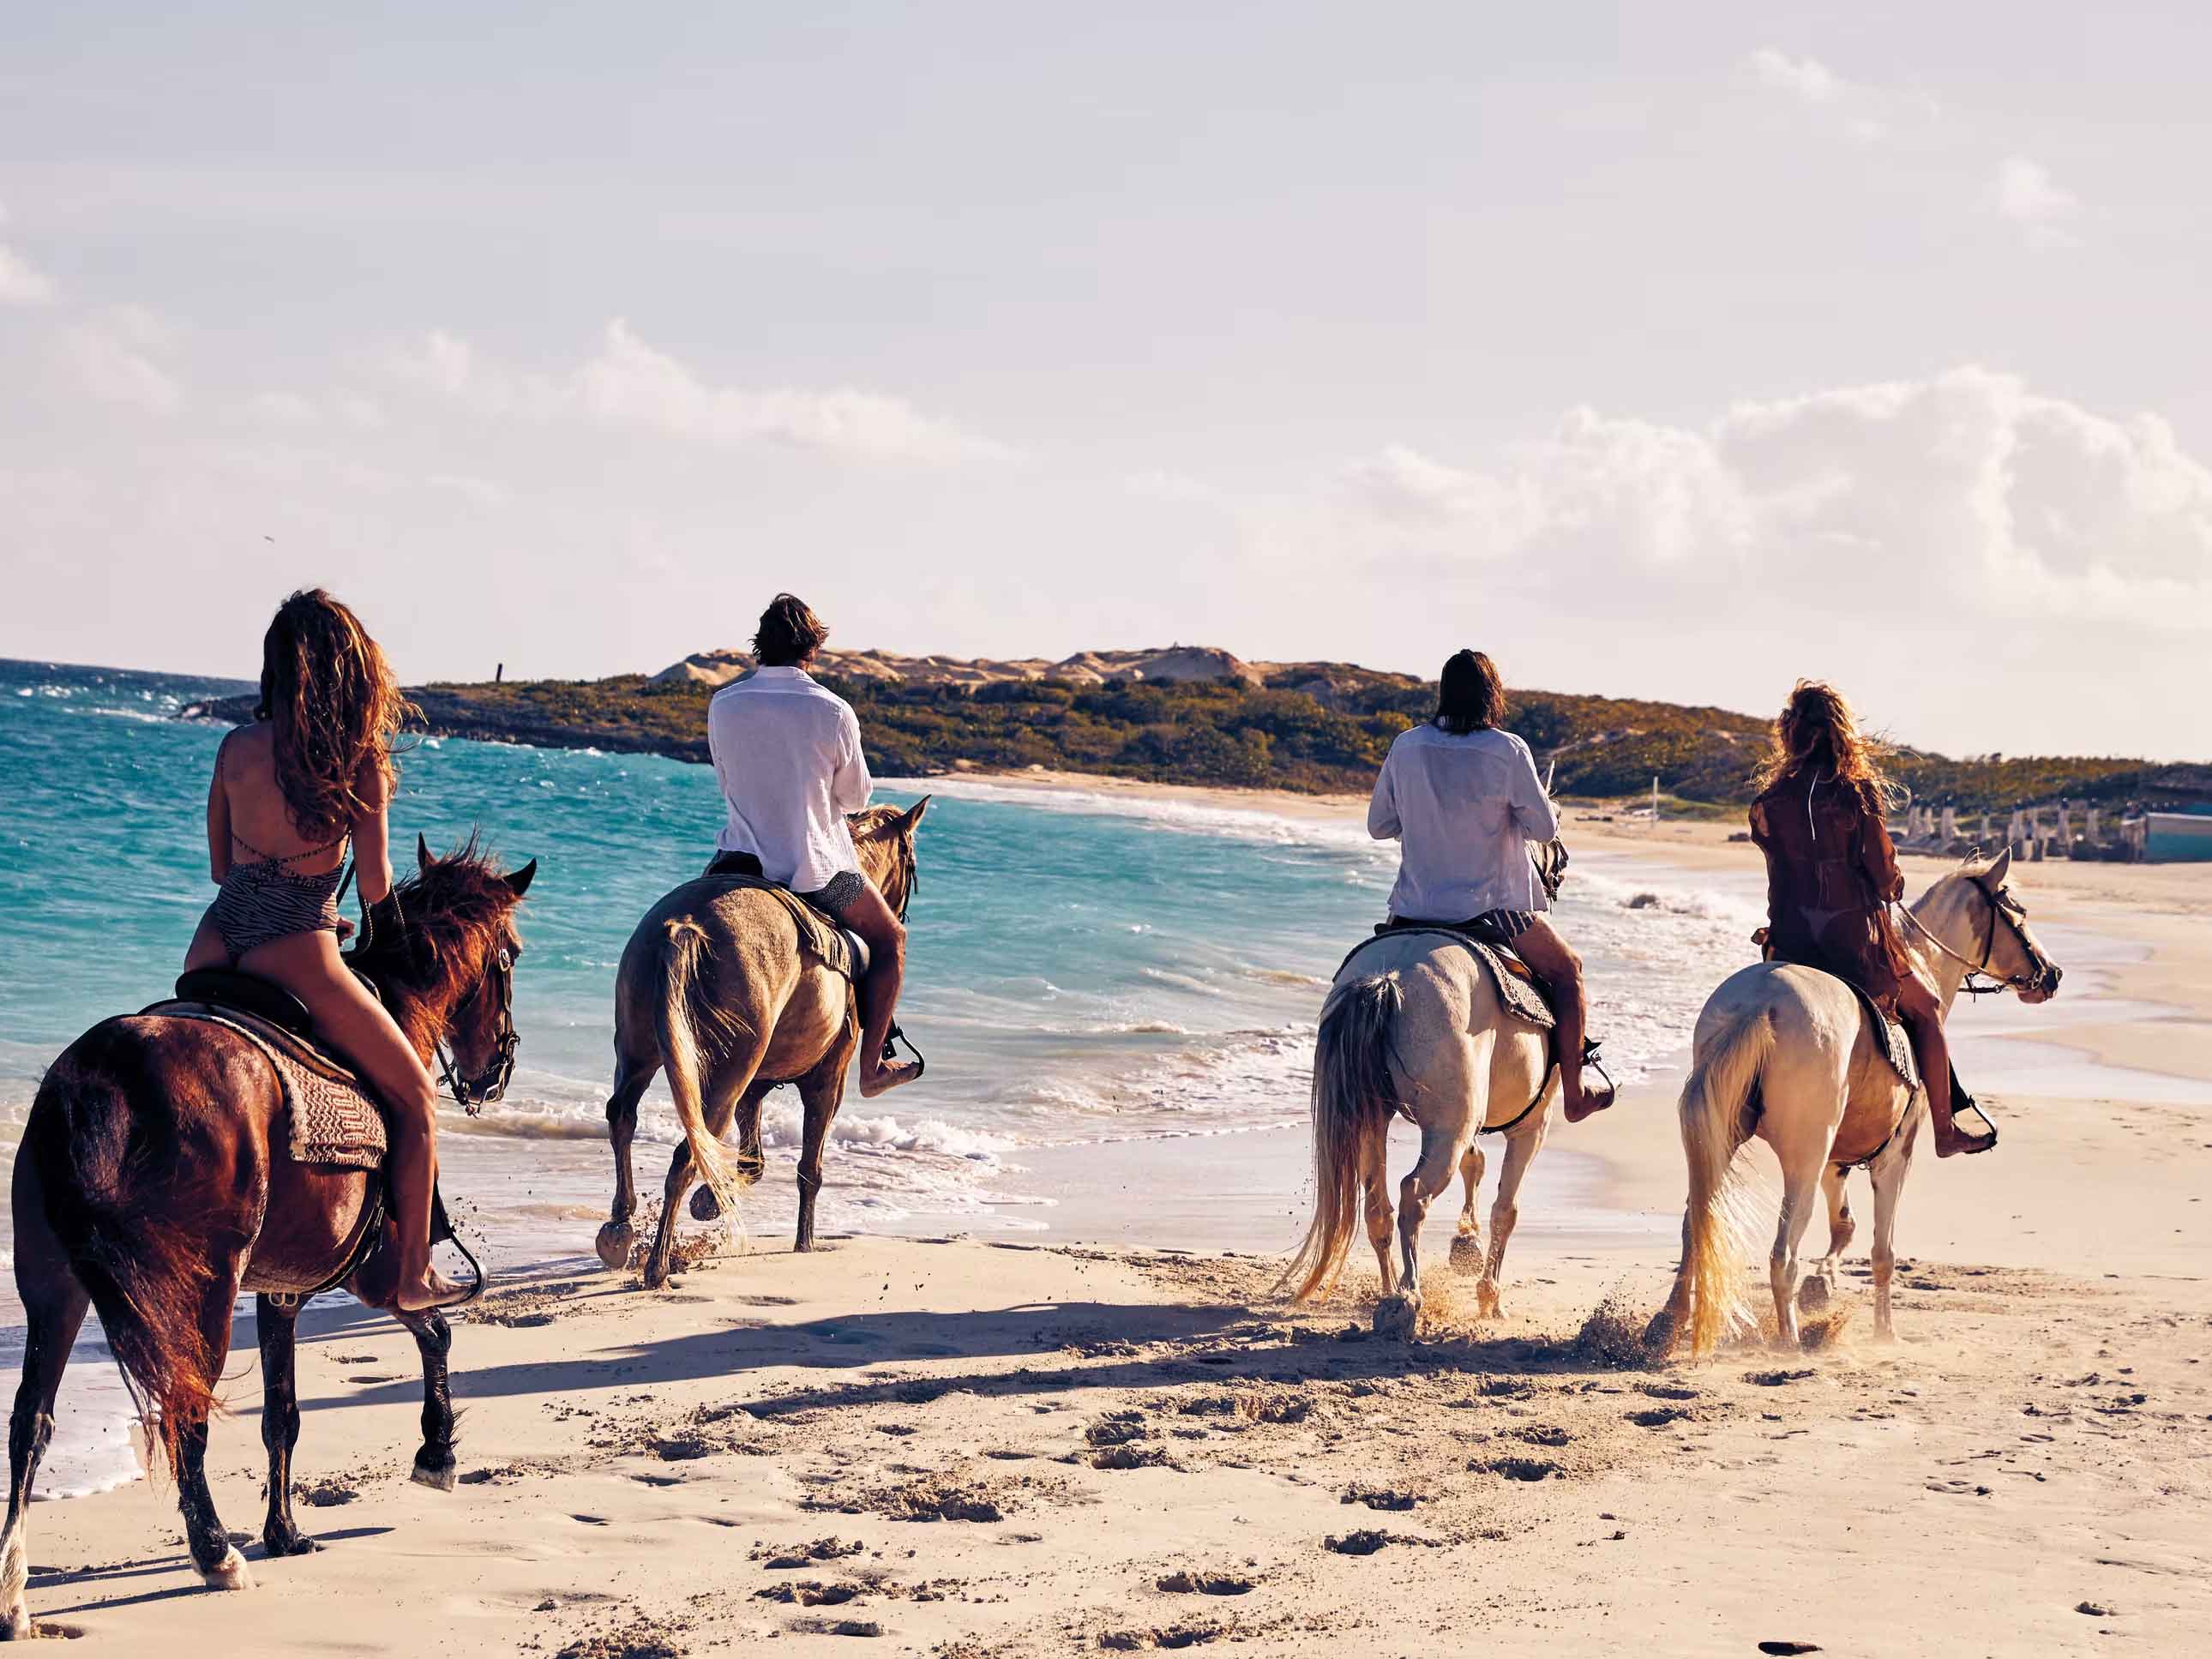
<point x="1785" y="1053"/>
<point x="715" y="988"/>
<point x="1414" y="1024"/>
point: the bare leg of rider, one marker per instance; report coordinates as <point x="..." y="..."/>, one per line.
<point x="1922" y="1011"/>
<point x="356" y="1025"/>
<point x="871" y="917"/>
<point x="1552" y="960"/>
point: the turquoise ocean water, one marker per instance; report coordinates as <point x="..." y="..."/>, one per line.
<point x="1082" y="970"/>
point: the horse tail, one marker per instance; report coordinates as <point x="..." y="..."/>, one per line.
<point x="1353" y="1097"/>
<point x="1717" y="1107"/>
<point x="689" y="1023"/>
<point x="150" y="1277"/>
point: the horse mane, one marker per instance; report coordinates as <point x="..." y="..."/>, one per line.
<point x="865" y="825"/>
<point x="451" y="909"/>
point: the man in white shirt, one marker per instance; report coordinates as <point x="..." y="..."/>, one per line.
<point x="1462" y="798"/>
<point x="787" y="751"/>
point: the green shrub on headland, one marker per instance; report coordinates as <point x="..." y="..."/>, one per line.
<point x="1295" y="732"/>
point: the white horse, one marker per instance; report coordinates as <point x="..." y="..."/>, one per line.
<point x="1786" y="1052"/>
<point x="1414" y="1024"/>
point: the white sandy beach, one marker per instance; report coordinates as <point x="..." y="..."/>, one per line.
<point x="1122" y="1439"/>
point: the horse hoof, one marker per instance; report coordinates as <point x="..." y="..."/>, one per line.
<point x="1659" y="1335"/>
<point x="1396" y="1316"/>
<point x="1487" y="1306"/>
<point x="1467" y="1253"/>
<point x="229" y="1573"/>
<point x="15" y="1625"/>
<point x="295" y="1544"/>
<point x="1813" y="1296"/>
<point x="704" y="1207"/>
<point x="616" y="1240"/>
<point x="438" y="1477"/>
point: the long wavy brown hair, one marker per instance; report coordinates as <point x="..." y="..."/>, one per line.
<point x="1817" y="729"/>
<point x="331" y="699"/>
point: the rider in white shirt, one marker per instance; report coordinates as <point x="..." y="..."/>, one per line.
<point x="1461" y="796"/>
<point x="787" y="751"/>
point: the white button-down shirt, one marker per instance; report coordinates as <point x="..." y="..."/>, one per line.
<point x="1463" y="807"/>
<point x="787" y="753"/>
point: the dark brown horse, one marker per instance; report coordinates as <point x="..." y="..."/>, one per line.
<point x="154" y="1183"/>
<point x="714" y="988"/>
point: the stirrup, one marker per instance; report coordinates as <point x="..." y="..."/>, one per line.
<point x="892" y="1038"/>
<point x="1593" y="1062"/>
<point x="1962" y="1102"/>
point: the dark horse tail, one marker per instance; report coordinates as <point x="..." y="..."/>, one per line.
<point x="148" y="1276"/>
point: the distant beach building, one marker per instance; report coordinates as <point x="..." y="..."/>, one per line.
<point x="2176" y="837"/>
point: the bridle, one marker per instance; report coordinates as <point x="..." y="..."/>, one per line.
<point x="473" y="1094"/>
<point x="2001" y="904"/>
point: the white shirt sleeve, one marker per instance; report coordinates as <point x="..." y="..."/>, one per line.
<point x="1532" y="807"/>
<point x="1382" y="811"/>
<point x="853" y="786"/>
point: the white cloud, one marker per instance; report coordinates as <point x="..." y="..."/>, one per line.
<point x="2025" y="193"/>
<point x="1964" y="488"/>
<point x="1802" y="77"/>
<point x="20" y="284"/>
<point x="630" y="383"/>
<point x="1864" y="112"/>
<point x="113" y="355"/>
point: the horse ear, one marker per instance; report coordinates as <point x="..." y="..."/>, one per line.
<point x="518" y="881"/>
<point x="904" y="823"/>
<point x="1995" y="872"/>
<point x="421" y="851"/>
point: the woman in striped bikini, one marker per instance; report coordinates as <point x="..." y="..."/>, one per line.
<point x="312" y="774"/>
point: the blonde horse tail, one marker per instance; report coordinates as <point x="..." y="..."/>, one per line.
<point x="1353" y="1094"/>
<point x="1719" y="1106"/>
<point x="678" y="1017"/>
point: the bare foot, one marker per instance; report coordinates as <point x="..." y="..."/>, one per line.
<point x="1587" y="1103"/>
<point x="435" y="1290"/>
<point x="886" y="1077"/>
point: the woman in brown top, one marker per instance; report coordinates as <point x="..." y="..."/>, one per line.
<point x="1832" y="876"/>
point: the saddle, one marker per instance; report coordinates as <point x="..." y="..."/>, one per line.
<point x="1891" y="1039"/>
<point x="1519" y="991"/>
<point x="837" y="947"/>
<point x="333" y="1119"/>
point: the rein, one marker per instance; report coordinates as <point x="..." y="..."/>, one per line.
<point x="472" y="1095"/>
<point x="1980" y="970"/>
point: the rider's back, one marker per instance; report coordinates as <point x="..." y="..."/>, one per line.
<point x="787" y="754"/>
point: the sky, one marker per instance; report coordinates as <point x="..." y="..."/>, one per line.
<point x="1660" y="351"/>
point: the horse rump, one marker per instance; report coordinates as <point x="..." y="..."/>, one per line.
<point x="100" y="1185"/>
<point x="1353" y="1093"/>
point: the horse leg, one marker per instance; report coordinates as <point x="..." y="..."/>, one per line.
<point x="1820" y="1286"/>
<point x="822" y="1091"/>
<point x="221" y="1566"/>
<point x="722" y="1102"/>
<point x="54" y="1302"/>
<point x="1442" y="1145"/>
<point x="1375" y="1169"/>
<point x="1888" y="1186"/>
<point x="632" y="1075"/>
<point x="1800" y="1177"/>
<point x="1467" y="1242"/>
<point x="750" y="1162"/>
<point x="433" y="1341"/>
<point x="1520" y="1147"/>
<point x="276" y="1325"/>
<point x="1659" y="1335"/>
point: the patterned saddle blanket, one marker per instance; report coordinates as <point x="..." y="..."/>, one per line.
<point x="1518" y="993"/>
<point x="331" y="1118"/>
